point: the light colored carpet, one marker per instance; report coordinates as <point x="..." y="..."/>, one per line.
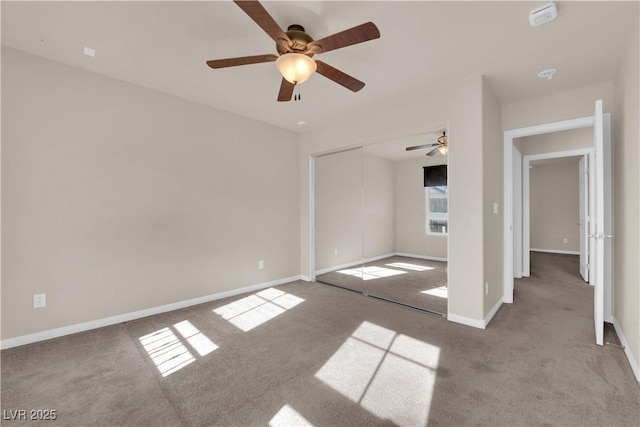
<point x="306" y="353"/>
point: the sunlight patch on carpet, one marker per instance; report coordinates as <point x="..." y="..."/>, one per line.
<point x="287" y="416"/>
<point x="389" y="374"/>
<point x="441" y="292"/>
<point x="414" y="267"/>
<point x="371" y="272"/>
<point x="254" y="310"/>
<point x="169" y="352"/>
<point x="200" y="342"/>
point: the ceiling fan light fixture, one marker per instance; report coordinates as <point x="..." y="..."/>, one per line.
<point x="296" y="68"/>
<point x="443" y="150"/>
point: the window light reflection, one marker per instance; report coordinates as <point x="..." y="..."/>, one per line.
<point x="169" y="352"/>
<point x="371" y="272"/>
<point x="441" y="292"/>
<point x="414" y="267"/>
<point x="166" y="351"/>
<point x="389" y="374"/>
<point x="200" y="342"/>
<point x="254" y="310"/>
<point x="287" y="416"/>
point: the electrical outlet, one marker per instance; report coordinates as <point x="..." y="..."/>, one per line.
<point x="565" y="240"/>
<point x="39" y="300"/>
<point x="486" y="288"/>
<point x="261" y="264"/>
<point x="335" y="251"/>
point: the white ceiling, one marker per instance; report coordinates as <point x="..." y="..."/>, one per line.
<point x="164" y="46"/>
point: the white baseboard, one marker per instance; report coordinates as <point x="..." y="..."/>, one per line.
<point x="338" y="267"/>
<point x="379" y="257"/>
<point x="555" y="251"/>
<point x="305" y="278"/>
<point x="108" y="321"/>
<point x="493" y="312"/>
<point x="627" y="351"/>
<point x="429" y="258"/>
<point x="480" y="324"/>
<point x="466" y="321"/>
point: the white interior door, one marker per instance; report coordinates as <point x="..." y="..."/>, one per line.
<point x="517" y="213"/>
<point x="597" y="224"/>
<point x="583" y="179"/>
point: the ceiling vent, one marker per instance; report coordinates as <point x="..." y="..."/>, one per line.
<point x="543" y="14"/>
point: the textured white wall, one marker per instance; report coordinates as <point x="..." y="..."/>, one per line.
<point x="116" y="198"/>
<point x="626" y="200"/>
<point x="554" y="206"/>
<point x="492" y="176"/>
<point x="379" y="206"/>
<point x="411" y="236"/>
<point x="338" y="213"/>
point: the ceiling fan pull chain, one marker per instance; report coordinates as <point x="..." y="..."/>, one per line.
<point x="296" y="88"/>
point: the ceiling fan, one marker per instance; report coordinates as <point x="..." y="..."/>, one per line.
<point x="440" y="146"/>
<point x="296" y="49"/>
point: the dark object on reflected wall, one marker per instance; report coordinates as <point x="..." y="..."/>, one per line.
<point x="435" y="176"/>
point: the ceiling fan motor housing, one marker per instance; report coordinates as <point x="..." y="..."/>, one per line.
<point x="299" y="41"/>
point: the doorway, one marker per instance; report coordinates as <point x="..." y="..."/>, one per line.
<point x="600" y="226"/>
<point x="553" y="207"/>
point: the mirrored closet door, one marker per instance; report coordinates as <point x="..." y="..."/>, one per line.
<point x="381" y="221"/>
<point x="405" y="223"/>
<point x="339" y="219"/>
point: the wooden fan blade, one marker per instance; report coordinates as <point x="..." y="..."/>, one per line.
<point x="420" y="147"/>
<point x="243" y="60"/>
<point x="261" y="17"/>
<point x="339" y="77"/>
<point x="286" y="90"/>
<point x="432" y="152"/>
<point x="355" y="35"/>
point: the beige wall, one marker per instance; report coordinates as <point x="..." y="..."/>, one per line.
<point x="492" y="177"/>
<point x="626" y="198"/>
<point x="460" y="105"/>
<point x="116" y="198"/>
<point x="379" y="206"/>
<point x="557" y="107"/>
<point x="411" y="236"/>
<point x="554" y="207"/>
<point x="556" y="141"/>
<point x="338" y="209"/>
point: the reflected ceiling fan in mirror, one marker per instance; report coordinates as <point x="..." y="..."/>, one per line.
<point x="296" y="49"/>
<point x="441" y="145"/>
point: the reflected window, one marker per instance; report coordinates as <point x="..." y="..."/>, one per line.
<point x="437" y="208"/>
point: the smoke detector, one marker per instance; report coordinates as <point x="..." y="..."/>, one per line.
<point x="543" y="14"/>
<point x="547" y="74"/>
